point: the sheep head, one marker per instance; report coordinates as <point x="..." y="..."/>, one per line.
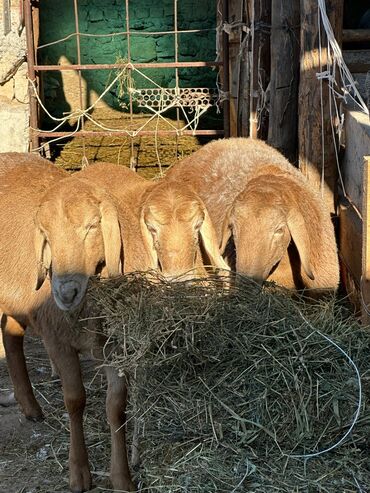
<point x="263" y="220"/>
<point x="175" y="226"/>
<point x="77" y="232"/>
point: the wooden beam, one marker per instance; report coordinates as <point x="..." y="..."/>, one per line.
<point x="236" y="16"/>
<point x="283" y="117"/>
<point x="358" y="61"/>
<point x="244" y="77"/>
<point x="365" y="278"/>
<point x="316" y="147"/>
<point x="356" y="35"/>
<point x="350" y="239"/>
<point x="357" y="131"/>
<point x="260" y="18"/>
<point x="350" y="251"/>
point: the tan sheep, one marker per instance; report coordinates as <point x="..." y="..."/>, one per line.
<point x="166" y="226"/>
<point x="280" y="226"/>
<point x="24" y="179"/>
<point x="63" y="224"/>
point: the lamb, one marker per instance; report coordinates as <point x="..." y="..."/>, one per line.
<point x="24" y="178"/>
<point x="46" y="210"/>
<point x="72" y="224"/>
<point x="280" y="226"/>
<point x="166" y="226"/>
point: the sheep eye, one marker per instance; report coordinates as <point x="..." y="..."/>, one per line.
<point x="92" y="226"/>
<point x="199" y="223"/>
<point x="152" y="229"/>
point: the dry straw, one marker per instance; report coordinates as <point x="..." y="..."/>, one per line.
<point x="239" y="389"/>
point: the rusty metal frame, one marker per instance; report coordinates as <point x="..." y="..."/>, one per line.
<point x="34" y="69"/>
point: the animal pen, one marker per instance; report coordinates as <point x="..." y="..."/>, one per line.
<point x="143" y="84"/>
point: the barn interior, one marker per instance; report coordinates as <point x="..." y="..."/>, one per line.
<point x="144" y="84"/>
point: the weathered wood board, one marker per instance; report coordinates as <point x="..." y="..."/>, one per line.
<point x="365" y="274"/>
<point x="354" y="212"/>
<point x="357" y="60"/>
<point x="357" y="141"/>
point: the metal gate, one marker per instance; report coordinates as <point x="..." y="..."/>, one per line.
<point x="155" y="100"/>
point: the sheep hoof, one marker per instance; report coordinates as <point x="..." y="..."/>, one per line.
<point x="123" y="484"/>
<point x="33" y="413"/>
<point x="35" y="419"/>
<point x="81" y="481"/>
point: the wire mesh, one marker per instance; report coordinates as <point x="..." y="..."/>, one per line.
<point x="185" y="101"/>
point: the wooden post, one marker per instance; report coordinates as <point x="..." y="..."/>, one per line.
<point x="283" y="117"/>
<point x="235" y="41"/>
<point x="365" y="278"/>
<point x="244" y="77"/>
<point x="260" y="20"/>
<point x="226" y="71"/>
<point x="27" y="5"/>
<point x="316" y="150"/>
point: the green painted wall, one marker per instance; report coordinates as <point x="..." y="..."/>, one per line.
<point x="109" y="16"/>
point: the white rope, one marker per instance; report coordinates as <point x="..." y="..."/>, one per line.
<point x="348" y="83"/>
<point x="79" y="114"/>
<point x="359" y="402"/>
<point x="336" y="71"/>
<point x="322" y="184"/>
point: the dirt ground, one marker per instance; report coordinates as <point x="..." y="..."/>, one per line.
<point x="34" y="455"/>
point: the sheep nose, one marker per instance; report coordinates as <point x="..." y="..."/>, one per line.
<point x="69" y="291"/>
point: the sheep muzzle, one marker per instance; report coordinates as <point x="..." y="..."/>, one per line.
<point x="69" y="290"/>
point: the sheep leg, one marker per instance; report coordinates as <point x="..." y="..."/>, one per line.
<point x="67" y="363"/>
<point x="116" y="407"/>
<point x="13" y="336"/>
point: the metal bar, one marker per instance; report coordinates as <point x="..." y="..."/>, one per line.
<point x="123" y="33"/>
<point x="109" y="66"/>
<point x="119" y="133"/>
<point x="131" y="105"/>
<point x="225" y="72"/>
<point x="34" y="140"/>
<point x="177" y="85"/>
<point x="78" y="43"/>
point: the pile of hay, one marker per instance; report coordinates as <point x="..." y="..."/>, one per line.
<point x="229" y="387"/>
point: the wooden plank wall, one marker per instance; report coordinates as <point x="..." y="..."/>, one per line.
<point x="357" y="144"/>
<point x="354" y="212"/>
<point x="237" y="56"/>
<point x="316" y="148"/>
<point x="365" y="277"/>
<point x="283" y="117"/>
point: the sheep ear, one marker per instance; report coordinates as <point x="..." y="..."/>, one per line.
<point x="43" y="257"/>
<point x="210" y="242"/>
<point x="226" y="232"/>
<point x="299" y="233"/>
<point x="111" y="238"/>
<point x="148" y="243"/>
